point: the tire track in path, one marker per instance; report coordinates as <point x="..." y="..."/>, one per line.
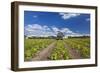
<point x="45" y="53"/>
<point x="74" y="54"/>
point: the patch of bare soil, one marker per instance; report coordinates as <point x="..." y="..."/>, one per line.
<point x="74" y="54"/>
<point x="45" y="53"/>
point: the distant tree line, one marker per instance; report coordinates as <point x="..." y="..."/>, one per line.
<point x="79" y="37"/>
<point x="59" y="36"/>
<point x="49" y="37"/>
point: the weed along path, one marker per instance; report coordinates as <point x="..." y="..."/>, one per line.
<point x="74" y="54"/>
<point x="52" y="49"/>
<point x="45" y="53"/>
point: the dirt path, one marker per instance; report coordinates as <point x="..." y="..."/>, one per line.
<point x="43" y="55"/>
<point x="74" y="54"/>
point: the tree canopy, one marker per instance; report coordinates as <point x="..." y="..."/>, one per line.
<point x="60" y="35"/>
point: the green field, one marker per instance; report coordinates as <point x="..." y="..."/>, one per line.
<point x="69" y="48"/>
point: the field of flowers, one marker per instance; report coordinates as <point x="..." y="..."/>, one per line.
<point x="59" y="52"/>
<point x="33" y="46"/>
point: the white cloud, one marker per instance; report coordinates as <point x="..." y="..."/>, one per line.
<point x="88" y="19"/>
<point x="33" y="27"/>
<point x="66" y="30"/>
<point x="39" y="30"/>
<point x="45" y="28"/>
<point x="55" y="29"/>
<point x="35" y="16"/>
<point x="36" y="26"/>
<point x="68" y="15"/>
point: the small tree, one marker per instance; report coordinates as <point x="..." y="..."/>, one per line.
<point x="60" y="35"/>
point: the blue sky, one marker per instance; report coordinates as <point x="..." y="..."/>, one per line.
<point x="49" y="23"/>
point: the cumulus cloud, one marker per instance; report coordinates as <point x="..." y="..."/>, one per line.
<point x="55" y="29"/>
<point x="44" y="31"/>
<point x="88" y="19"/>
<point x="68" y="15"/>
<point x="66" y="30"/>
<point x="35" y="16"/>
<point x="37" y="30"/>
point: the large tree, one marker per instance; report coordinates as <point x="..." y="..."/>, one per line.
<point x="60" y="35"/>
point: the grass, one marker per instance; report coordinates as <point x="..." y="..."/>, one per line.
<point x="82" y="45"/>
<point x="33" y="46"/>
<point x="59" y="52"/>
